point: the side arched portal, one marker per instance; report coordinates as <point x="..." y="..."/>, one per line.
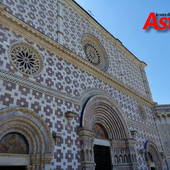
<point x="102" y="111"/>
<point x="152" y="155"/>
<point x="24" y="136"/>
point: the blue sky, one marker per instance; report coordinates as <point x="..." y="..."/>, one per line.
<point x="125" y="20"/>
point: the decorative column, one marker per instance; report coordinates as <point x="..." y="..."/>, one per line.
<point x="29" y="167"/>
<point x="60" y="23"/>
<point x="121" y="74"/>
<point x="132" y="152"/>
<point x="42" y="161"/>
<point x="32" y="162"/>
<point x="86" y="146"/>
<point x="145" y="82"/>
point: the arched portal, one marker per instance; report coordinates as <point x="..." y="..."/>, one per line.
<point x="103" y="119"/>
<point x="102" y="110"/>
<point x="152" y="155"/>
<point x="25" y="139"/>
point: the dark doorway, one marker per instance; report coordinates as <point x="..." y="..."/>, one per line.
<point x="152" y="168"/>
<point x="102" y="157"/>
<point x="12" y="168"/>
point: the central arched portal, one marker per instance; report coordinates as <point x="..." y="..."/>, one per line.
<point x="104" y="134"/>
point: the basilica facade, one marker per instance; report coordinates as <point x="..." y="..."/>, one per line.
<point x="72" y="96"/>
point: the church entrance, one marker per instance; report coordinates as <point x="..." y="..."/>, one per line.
<point x="25" y="140"/>
<point x="12" y="168"/>
<point x="104" y="137"/>
<point x="102" y="157"/>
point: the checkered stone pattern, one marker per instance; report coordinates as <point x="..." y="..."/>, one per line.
<point x="39" y="14"/>
<point x="75" y="26"/>
<point x="131" y="74"/>
<point x="57" y="73"/>
<point x="42" y="15"/>
<point x="72" y="81"/>
<point x="130" y="109"/>
<point x="52" y="110"/>
<point x="67" y="78"/>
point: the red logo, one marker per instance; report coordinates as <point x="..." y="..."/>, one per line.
<point x="160" y="23"/>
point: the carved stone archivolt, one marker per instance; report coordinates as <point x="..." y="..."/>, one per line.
<point x="102" y="111"/>
<point x="26" y="59"/>
<point x="152" y="155"/>
<point x="33" y="129"/>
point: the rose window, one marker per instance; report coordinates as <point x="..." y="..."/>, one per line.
<point x="92" y="54"/>
<point x="26" y="59"/>
<point x="95" y="52"/>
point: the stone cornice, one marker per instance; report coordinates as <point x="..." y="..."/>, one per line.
<point x="162" y="116"/>
<point x="10" y="77"/>
<point x="162" y="108"/>
<point x="26" y="31"/>
<point x="104" y="32"/>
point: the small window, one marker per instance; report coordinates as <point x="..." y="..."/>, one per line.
<point x="141" y="112"/>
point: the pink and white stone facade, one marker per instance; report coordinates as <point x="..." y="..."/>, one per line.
<point x="42" y="15"/>
<point x="61" y="86"/>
